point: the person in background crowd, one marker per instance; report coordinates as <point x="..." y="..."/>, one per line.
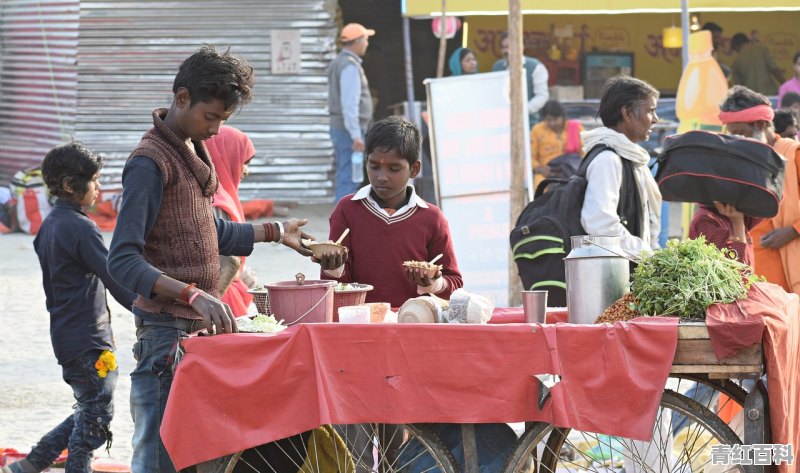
<point x="716" y="40"/>
<point x="73" y="260"/>
<point x="167" y="243"/>
<point x="755" y="68"/>
<point x="463" y="61"/>
<point x="554" y="136"/>
<point x="790" y="101"/>
<point x="776" y="241"/>
<point x="231" y="151"/>
<point x="350" y="104"/>
<point x="8" y="212"/>
<point x="536" y="77"/>
<point x="726" y="228"/>
<point x="785" y="123"/>
<point x="628" y="112"/>
<point x="793" y="84"/>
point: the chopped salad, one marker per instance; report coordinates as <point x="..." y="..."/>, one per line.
<point x="261" y="323"/>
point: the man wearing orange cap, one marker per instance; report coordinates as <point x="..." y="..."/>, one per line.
<point x="350" y="104"/>
<point x="776" y="241"/>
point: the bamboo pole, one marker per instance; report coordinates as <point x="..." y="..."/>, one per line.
<point x="442" y="40"/>
<point x="518" y="101"/>
<point x="412" y="104"/>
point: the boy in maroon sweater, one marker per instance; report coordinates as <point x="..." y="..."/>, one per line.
<point x="389" y="224"/>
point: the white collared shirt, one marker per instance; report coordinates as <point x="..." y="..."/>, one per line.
<point x="414" y="201"/>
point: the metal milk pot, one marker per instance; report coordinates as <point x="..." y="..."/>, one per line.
<point x="596" y="277"/>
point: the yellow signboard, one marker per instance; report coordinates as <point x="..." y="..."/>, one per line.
<point x="639" y="34"/>
<point x="427" y="8"/>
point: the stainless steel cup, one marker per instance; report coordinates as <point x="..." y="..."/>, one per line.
<point x="534" y="306"/>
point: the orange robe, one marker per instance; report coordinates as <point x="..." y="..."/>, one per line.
<point x="782" y="266"/>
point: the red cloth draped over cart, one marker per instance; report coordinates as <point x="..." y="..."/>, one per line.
<point x="238" y="391"/>
<point x="771" y="315"/>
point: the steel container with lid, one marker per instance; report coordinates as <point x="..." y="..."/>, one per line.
<point x="596" y="276"/>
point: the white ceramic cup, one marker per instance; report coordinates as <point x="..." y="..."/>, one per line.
<point x="354" y="314"/>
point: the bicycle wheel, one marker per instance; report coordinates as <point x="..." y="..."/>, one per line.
<point x="562" y="449"/>
<point x="358" y="448"/>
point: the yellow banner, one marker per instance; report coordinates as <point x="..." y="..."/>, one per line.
<point x="639" y="34"/>
<point x="427" y="8"/>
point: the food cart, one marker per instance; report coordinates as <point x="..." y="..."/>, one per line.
<point x="262" y="388"/>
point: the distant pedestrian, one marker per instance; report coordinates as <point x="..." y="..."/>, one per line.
<point x="793" y="84"/>
<point x="350" y="104"/>
<point x="755" y="68"/>
<point x="536" y="77"/>
<point x="73" y="260"/>
<point x="790" y="101"/>
<point x="716" y="41"/>
<point x="231" y="151"/>
<point x="555" y="137"/>
<point x="463" y="61"/>
<point x="785" y="123"/>
<point x="8" y="212"/>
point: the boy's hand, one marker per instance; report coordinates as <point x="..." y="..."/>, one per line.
<point x="292" y="234"/>
<point x="214" y="312"/>
<point x="419" y="276"/>
<point x="332" y="259"/>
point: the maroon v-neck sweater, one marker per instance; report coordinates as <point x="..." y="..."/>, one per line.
<point x="379" y="245"/>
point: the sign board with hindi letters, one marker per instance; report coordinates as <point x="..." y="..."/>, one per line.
<point x="470" y="126"/>
<point x="285" y="48"/>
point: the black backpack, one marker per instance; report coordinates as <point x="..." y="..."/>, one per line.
<point x="540" y="239"/>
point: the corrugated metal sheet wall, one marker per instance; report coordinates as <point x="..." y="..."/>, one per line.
<point x="38" y="77"/>
<point x="128" y="53"/>
<point x="127" y="56"/>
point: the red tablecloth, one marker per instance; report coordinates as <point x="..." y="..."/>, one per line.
<point x="514" y="315"/>
<point x="241" y="390"/>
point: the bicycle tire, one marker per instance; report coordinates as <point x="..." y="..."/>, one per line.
<point x="263" y="458"/>
<point x="521" y="459"/>
<point x="723" y="386"/>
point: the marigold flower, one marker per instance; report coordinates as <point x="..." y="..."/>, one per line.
<point x="105" y="362"/>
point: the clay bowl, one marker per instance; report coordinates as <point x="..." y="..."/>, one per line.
<point x="429" y="269"/>
<point x="320" y="248"/>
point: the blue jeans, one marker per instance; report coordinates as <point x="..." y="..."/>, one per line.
<point x="343" y="151"/>
<point x="88" y="427"/>
<point x="151" y="380"/>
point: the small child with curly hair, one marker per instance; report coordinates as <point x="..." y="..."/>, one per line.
<point x="73" y="260"/>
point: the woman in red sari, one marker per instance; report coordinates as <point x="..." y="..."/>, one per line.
<point x="231" y="151"/>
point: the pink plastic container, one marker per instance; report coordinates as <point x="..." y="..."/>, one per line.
<point x="309" y="302"/>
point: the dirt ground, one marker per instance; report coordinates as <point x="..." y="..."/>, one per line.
<point x="33" y="397"/>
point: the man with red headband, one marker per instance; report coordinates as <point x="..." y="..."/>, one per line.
<point x="776" y="241"/>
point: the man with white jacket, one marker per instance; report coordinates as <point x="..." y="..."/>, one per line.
<point x="628" y="113"/>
